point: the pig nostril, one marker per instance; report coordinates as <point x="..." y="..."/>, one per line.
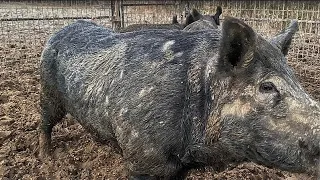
<point x="302" y="143"/>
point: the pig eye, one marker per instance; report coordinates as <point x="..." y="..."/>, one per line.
<point x="267" y="87"/>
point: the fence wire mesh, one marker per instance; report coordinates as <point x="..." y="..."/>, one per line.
<point x="26" y="25"/>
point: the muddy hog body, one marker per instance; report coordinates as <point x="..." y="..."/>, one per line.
<point x="175" y="99"/>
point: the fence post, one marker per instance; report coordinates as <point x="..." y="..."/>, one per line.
<point x="116" y="15"/>
<point x="121" y="13"/>
<point x="182" y="5"/>
<point x="186" y="9"/>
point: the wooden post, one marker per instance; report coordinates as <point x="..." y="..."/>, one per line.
<point x="181" y="8"/>
<point x="121" y="13"/>
<point x="186" y="9"/>
<point x="112" y="9"/>
<point x="116" y="19"/>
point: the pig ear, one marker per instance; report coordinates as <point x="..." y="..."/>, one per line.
<point x="196" y="15"/>
<point x="217" y="15"/>
<point x="237" y="45"/>
<point x="192" y="17"/>
<point x="216" y="19"/>
<point x="283" y="39"/>
<point x="189" y="20"/>
<point x="219" y="10"/>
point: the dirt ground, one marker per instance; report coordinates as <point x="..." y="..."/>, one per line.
<point x="75" y="154"/>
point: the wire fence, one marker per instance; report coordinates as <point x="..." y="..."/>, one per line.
<point x="26" y="25"/>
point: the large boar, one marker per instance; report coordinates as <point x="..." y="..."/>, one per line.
<point x="173" y="100"/>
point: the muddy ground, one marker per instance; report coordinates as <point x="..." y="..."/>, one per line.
<point x="75" y="154"/>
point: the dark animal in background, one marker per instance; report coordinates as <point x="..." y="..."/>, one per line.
<point x="200" y="25"/>
<point x="196" y="21"/>
<point x="174" y="100"/>
<point x="195" y="16"/>
<point x="137" y="27"/>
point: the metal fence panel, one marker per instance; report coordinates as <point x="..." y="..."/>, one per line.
<point x="26" y="25"/>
